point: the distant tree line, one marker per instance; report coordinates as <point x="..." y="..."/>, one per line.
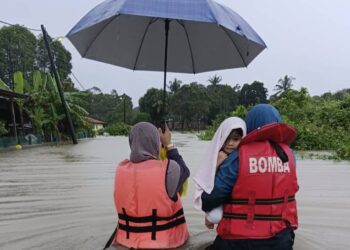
<point x="322" y="121"/>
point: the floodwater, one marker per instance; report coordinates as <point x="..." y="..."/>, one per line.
<point x="62" y="197"/>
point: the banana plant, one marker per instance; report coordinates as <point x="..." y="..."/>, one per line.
<point x="4" y="86"/>
<point x="19" y="88"/>
<point x="75" y="101"/>
<point x="51" y="120"/>
<point x="37" y="92"/>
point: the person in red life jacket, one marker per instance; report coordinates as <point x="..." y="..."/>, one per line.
<point x="257" y="185"/>
<point x="146" y="195"/>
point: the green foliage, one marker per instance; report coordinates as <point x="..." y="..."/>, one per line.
<point x="2" y="128"/>
<point x="118" y="129"/>
<point x="322" y="123"/>
<point x="284" y="84"/>
<point x="17" y="52"/>
<point x="174" y="85"/>
<point x="21" y="51"/>
<point x="223" y="99"/>
<point x="19" y="88"/>
<point x="209" y="133"/>
<point x="151" y="103"/>
<point x="190" y="103"/>
<point x="343" y="152"/>
<point x="240" y="111"/>
<point x="108" y="107"/>
<point x="140" y="117"/>
<point x="45" y="108"/>
<point x="3" y="85"/>
<point x="252" y="94"/>
<point x="75" y="102"/>
<point x="62" y="59"/>
<point x="215" y="80"/>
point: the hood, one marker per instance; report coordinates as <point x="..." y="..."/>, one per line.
<point x="261" y="115"/>
<point x="205" y="177"/>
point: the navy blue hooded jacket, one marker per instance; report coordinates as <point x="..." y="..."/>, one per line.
<point x="226" y="176"/>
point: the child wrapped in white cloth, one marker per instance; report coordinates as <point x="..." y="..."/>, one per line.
<point x="224" y="142"/>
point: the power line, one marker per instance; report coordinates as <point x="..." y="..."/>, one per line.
<point x="81" y="85"/>
<point x="39" y="30"/>
<point x="10" y="24"/>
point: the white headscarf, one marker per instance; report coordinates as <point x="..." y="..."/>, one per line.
<point x="205" y="177"/>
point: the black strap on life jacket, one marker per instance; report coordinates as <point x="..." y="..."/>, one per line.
<point x="153" y="219"/>
<point x="260" y="201"/>
<point x="279" y="151"/>
<point x="256" y="216"/>
<point x="268" y="217"/>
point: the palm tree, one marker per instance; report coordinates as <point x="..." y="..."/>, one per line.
<point x="215" y="80"/>
<point x="284" y="84"/>
<point x="174" y="85"/>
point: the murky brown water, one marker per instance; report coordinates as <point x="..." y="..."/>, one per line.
<point x="62" y="197"/>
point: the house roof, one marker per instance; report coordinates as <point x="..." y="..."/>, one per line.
<point x="94" y="121"/>
<point x="11" y="94"/>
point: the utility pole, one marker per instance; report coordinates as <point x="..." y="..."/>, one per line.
<point x="59" y="86"/>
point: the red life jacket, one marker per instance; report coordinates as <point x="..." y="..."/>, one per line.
<point x="147" y="217"/>
<point x="262" y="201"/>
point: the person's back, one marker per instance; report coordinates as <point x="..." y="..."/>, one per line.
<point x="262" y="202"/>
<point x="149" y="217"/>
<point x="261" y="208"/>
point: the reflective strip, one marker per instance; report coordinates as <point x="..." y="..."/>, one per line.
<point x="260" y="201"/>
<point x="256" y="216"/>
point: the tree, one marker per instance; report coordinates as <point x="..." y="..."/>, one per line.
<point x="62" y="58"/>
<point x="19" y="88"/>
<point x="223" y="99"/>
<point x="252" y="94"/>
<point x="17" y="52"/>
<point x="190" y="103"/>
<point x="94" y="90"/>
<point x="175" y="85"/>
<point x="215" y="80"/>
<point x="151" y="103"/>
<point x="109" y="107"/>
<point x="284" y="84"/>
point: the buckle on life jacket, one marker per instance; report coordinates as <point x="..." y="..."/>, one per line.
<point x="153" y="228"/>
<point x="251" y="209"/>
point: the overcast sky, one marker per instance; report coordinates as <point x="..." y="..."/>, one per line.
<point x="307" y="39"/>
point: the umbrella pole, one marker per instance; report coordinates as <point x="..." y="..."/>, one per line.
<point x="165" y="66"/>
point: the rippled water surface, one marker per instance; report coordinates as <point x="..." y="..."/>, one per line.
<point x="62" y="197"/>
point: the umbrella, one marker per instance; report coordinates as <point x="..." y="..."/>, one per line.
<point x="187" y="36"/>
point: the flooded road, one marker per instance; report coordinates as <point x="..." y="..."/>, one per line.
<point x="62" y="197"/>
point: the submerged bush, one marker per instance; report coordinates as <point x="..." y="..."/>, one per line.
<point x="118" y="129"/>
<point x="343" y="152"/>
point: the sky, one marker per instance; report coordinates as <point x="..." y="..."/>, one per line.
<point x="309" y="40"/>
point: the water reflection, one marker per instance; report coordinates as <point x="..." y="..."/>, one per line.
<point x="61" y="197"/>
